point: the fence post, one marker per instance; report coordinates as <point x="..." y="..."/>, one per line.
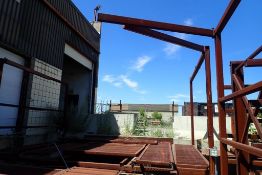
<point x="120" y="106"/>
<point x="173" y="109"/>
<point x="110" y="105"/>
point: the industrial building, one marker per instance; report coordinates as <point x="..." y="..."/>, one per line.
<point x="49" y="57"/>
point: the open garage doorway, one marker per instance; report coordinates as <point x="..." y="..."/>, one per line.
<point x="79" y="80"/>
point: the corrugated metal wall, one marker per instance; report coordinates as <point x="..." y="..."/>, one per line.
<point x="30" y="27"/>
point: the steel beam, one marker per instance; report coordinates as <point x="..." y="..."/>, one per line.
<point x="243" y="147"/>
<point x="154" y="25"/>
<point x="221" y="106"/>
<point x="248" y="108"/>
<point x="200" y="62"/>
<point x="164" y="37"/>
<point x="210" y="129"/>
<point x="245" y="91"/>
<point x="252" y="56"/>
<point x="241" y="120"/>
<point x="227" y="87"/>
<point x="226" y="16"/>
<point x="254" y="63"/>
<point x="192" y="114"/>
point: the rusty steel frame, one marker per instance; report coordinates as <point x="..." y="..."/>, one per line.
<point x="164" y="37"/>
<point x="154" y="25"/>
<point x="205" y="56"/>
<point x="239" y="91"/>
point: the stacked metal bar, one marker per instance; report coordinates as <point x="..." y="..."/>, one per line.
<point x="190" y="161"/>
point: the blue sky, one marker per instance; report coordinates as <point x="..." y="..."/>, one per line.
<point x="139" y="69"/>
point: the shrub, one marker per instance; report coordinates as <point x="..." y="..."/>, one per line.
<point x="157" y="115"/>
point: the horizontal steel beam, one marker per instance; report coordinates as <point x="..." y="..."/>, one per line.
<point x="226" y="16"/>
<point x="200" y="62"/>
<point x="154" y="25"/>
<point x="164" y="37"/>
<point x="245" y="91"/>
<point x="228" y="87"/>
<point x="252" y="56"/>
<point x="243" y="147"/>
<point x="253" y="63"/>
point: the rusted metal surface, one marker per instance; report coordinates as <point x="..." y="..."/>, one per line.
<point x="249" y="59"/>
<point x="245" y="91"/>
<point x="226" y="16"/>
<point x="125" y="140"/>
<point x="164" y="37"/>
<point x="240" y="118"/>
<point x="108" y="149"/>
<point x="160" y="154"/>
<point x="154" y="25"/>
<point x="190" y="161"/>
<point x="88" y="171"/>
<point x="192" y="113"/>
<point x="247" y="148"/>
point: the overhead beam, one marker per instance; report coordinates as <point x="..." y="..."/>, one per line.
<point x="154" y="25"/>
<point x="164" y="37"/>
<point x="245" y="91"/>
<point x="243" y="147"/>
<point x="252" y="56"/>
<point x="226" y="16"/>
<point x="254" y="63"/>
<point x="198" y="66"/>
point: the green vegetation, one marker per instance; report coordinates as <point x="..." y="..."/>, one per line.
<point x="157" y="116"/>
<point x="157" y="133"/>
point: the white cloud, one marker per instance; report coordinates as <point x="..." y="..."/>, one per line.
<point x="114" y="80"/>
<point x="118" y="81"/>
<point x="141" y="62"/>
<point x="129" y="82"/>
<point x="172" y="49"/>
<point x="188" y="22"/>
<point x="109" y="78"/>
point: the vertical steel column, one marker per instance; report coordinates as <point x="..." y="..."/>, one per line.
<point x="240" y="120"/>
<point x="192" y="113"/>
<point x="209" y="109"/>
<point x="221" y="106"/>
